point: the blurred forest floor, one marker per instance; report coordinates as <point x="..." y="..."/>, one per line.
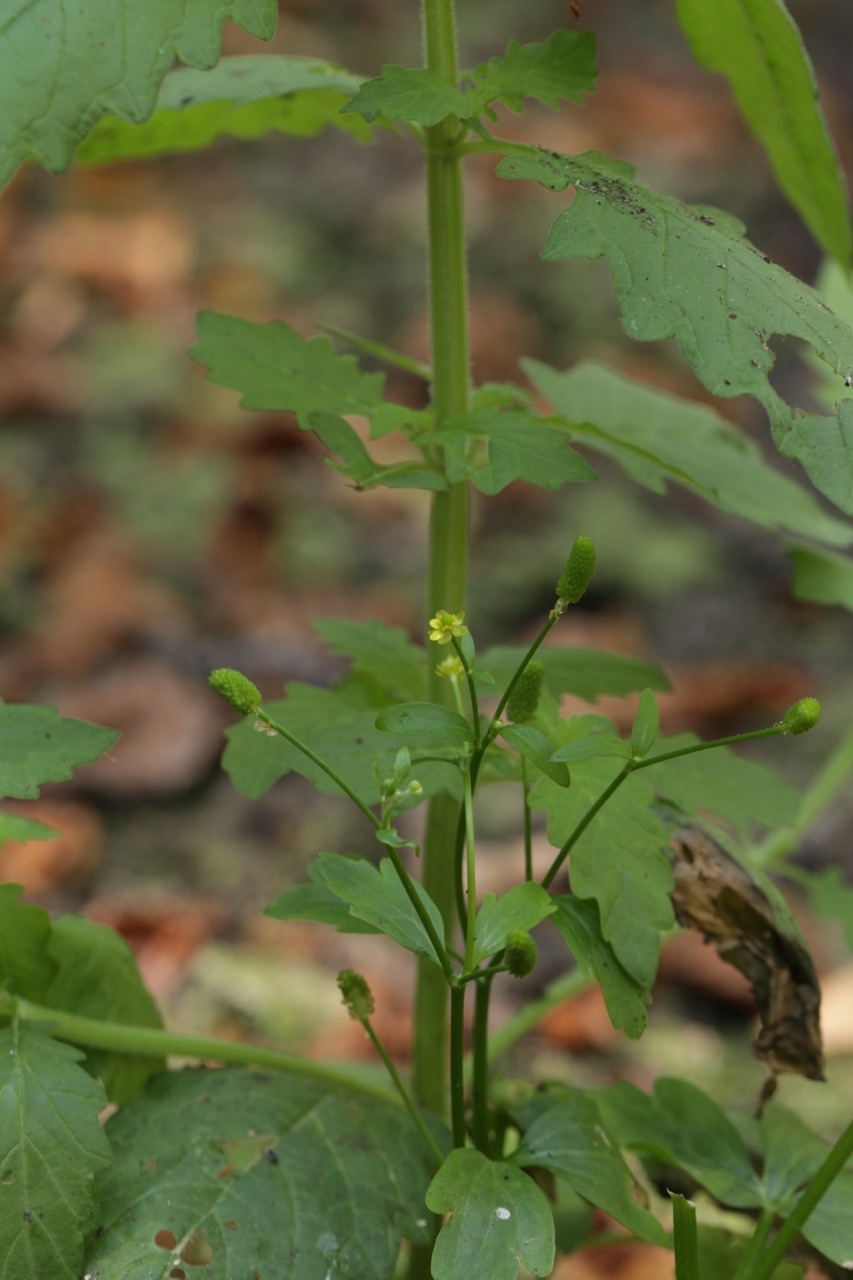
<point x="150" y="530"/>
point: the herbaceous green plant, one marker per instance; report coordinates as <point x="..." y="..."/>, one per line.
<point x="281" y="1167"/>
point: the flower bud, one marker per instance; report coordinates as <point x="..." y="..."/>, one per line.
<point x="520" y="953"/>
<point x="237" y="690"/>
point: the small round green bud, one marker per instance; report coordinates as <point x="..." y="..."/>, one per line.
<point x="237" y="690"/>
<point x="579" y="568"/>
<point x="802" y="716"/>
<point x="520" y="953"/>
<point x="355" y="994"/>
<point x="524" y="698"/>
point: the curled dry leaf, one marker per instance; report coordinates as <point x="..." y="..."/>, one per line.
<point x="718" y="897"/>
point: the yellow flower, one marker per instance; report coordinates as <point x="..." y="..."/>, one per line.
<point x="450" y="667"/>
<point x="445" y="626"/>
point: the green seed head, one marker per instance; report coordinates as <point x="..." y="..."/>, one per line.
<point x="237" y="690"/>
<point x="577" y="574"/>
<point x="524" y="698"/>
<point x="802" y="716"/>
<point x="355" y="994"/>
<point x="520" y="954"/>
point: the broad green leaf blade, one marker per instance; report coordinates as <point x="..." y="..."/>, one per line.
<point x="26" y="969"/>
<point x="414" y="95"/>
<point x="659" y="439"/>
<point x="318" y="903"/>
<point x="278" y="1174"/>
<point x="681" y="1125"/>
<point x="242" y="97"/>
<point x="37" y="745"/>
<point x="621" y="860"/>
<point x="687" y="273"/>
<point x="594" y="746"/>
<point x="426" y="720"/>
<point x="534" y="746"/>
<point x="339" y="728"/>
<point x="646" y="725"/>
<point x="522" y="907"/>
<point x="275" y="368"/>
<point x="822" y="575"/>
<point x="792" y="1156"/>
<point x="376" y="895"/>
<point x="515" y="444"/>
<point x="579" y="922"/>
<point x="830" y="1226"/>
<point x="500" y="1220"/>
<point x="563" y="1133"/>
<point x="382" y="656"/>
<point x="755" y="44"/>
<point x="589" y="673"/>
<point x="97" y="977"/>
<point x="559" y="69"/>
<point x="51" y="1146"/>
<point x="64" y="67"/>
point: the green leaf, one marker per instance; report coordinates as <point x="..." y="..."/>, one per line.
<point x="646" y="726"/>
<point x="562" y="1132"/>
<point x="63" y="68"/>
<point x="515" y="444"/>
<point x="594" y="746"/>
<point x="500" y="1220"/>
<point x="588" y="673"/>
<point x="272" y="1171"/>
<point x="559" y="69"/>
<point x="342" y="439"/>
<point x="830" y="1226"/>
<point x="743" y="792"/>
<point x="425" y="720"/>
<point x="792" y="1156"/>
<point x="534" y="746"/>
<point x="25" y="966"/>
<point x="96" y="977"/>
<point x="831" y="894"/>
<point x="579" y="922"/>
<point x="37" y="746"/>
<point x="682" y="1126"/>
<point x="381" y="655"/>
<point x="756" y="45"/>
<point x="416" y="95"/>
<point x="339" y="728"/>
<point x="657" y="439"/>
<point x="275" y="368"/>
<point x="688" y="273"/>
<point x="822" y="576"/>
<point x="376" y="895"/>
<point x="15" y="828"/>
<point x="51" y="1145"/>
<point x="318" y="903"/>
<point x="242" y="97"/>
<point x="621" y="860"/>
<point x="522" y="907"/>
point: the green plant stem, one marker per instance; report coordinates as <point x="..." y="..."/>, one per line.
<point x="321" y="763"/>
<point x="685" y="1239"/>
<point x="448" y="553"/>
<point x="480" y="1062"/>
<point x="403" y="1092"/>
<point x="745" y="1268"/>
<point x="808" y="1201"/>
<point x="471" y="876"/>
<point x="457" y="1065"/>
<point x="423" y="916"/>
<point x="528" y="826"/>
<point x="154" y="1042"/>
<point x="834" y="774"/>
<point x="472" y="694"/>
<point x="518" y="1026"/>
<point x="594" y="808"/>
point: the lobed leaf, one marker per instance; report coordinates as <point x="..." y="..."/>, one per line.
<point x="821" y="575"/>
<point x="521" y="907"/>
<point x="687" y="273"/>
<point x="242" y="97"/>
<point x="756" y="45"/>
<point x="514" y="444"/>
<point x="250" y="1171"/>
<point x="357" y="465"/>
<point x="380" y="654"/>
<point x="26" y="969"/>
<point x="414" y="94"/>
<point x="97" y="977"/>
<point x="63" y="67"/>
<point x="37" y="745"/>
<point x="562" y="1132"/>
<point x="559" y="69"/>
<point x="659" y="439"/>
<point x="51" y="1146"/>
<point x="499" y="1220"/>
